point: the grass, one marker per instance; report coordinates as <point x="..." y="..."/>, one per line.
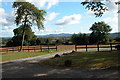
<point x="19" y="55"/>
<point x="88" y="59"/>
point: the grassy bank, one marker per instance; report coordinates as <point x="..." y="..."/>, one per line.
<point x="88" y="59"/>
<point x="19" y="55"/>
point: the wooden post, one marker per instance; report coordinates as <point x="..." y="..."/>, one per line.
<point x="86" y="47"/>
<point x="18" y="48"/>
<point x="75" y="47"/>
<point x="41" y="47"/>
<point x="34" y="49"/>
<point x="56" y="47"/>
<point x="98" y="47"/>
<point x="13" y="49"/>
<point x="7" y="50"/>
<point x="111" y="46"/>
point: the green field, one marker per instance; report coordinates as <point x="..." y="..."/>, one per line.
<point x="19" y="55"/>
<point x="88" y="59"/>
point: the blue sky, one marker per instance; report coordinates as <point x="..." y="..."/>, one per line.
<point x="61" y="17"/>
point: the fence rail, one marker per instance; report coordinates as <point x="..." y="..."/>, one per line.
<point x="97" y="46"/>
<point x="27" y="48"/>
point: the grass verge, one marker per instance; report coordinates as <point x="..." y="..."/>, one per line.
<point x="19" y="55"/>
<point x="88" y="59"/>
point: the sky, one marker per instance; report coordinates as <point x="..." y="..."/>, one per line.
<point x="62" y="17"/>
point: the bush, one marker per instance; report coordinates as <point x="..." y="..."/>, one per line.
<point x="117" y="47"/>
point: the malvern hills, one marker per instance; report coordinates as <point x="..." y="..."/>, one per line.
<point x="67" y="35"/>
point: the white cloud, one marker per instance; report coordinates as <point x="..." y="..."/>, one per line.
<point x="52" y="3"/>
<point x="6" y="19"/>
<point x="67" y="20"/>
<point x="112" y="7"/>
<point x="113" y="22"/>
<point x="44" y="3"/>
<point x="51" y="16"/>
<point x="2" y="11"/>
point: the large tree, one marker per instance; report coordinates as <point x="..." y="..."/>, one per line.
<point x="100" y="32"/>
<point x="27" y="15"/>
<point x="16" y="39"/>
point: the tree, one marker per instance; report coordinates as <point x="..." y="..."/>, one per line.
<point x="100" y="32"/>
<point x="117" y="39"/>
<point x="80" y="39"/>
<point x="97" y="6"/>
<point x="16" y="40"/>
<point x="27" y="15"/>
<point x="58" y="41"/>
<point x="48" y="41"/>
<point x="39" y="41"/>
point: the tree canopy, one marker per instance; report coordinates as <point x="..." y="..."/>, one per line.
<point x="16" y="40"/>
<point x="27" y="15"/>
<point x="100" y="32"/>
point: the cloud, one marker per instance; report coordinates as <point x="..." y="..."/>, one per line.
<point x="112" y="7"/>
<point x="113" y="22"/>
<point x="6" y="19"/>
<point x="51" y="16"/>
<point x="67" y="20"/>
<point x="44" y="3"/>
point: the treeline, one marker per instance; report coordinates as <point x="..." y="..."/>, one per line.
<point x="82" y="39"/>
<point x="99" y="35"/>
<point x="32" y="39"/>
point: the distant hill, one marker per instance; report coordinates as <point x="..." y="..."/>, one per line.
<point x="64" y="35"/>
<point x="113" y="35"/>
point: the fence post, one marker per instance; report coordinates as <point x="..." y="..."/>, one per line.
<point x="98" y="47"/>
<point x="111" y="46"/>
<point x="86" y="47"/>
<point x="75" y="47"/>
<point x="41" y="47"/>
<point x="34" y="48"/>
<point x="7" y="50"/>
<point x="56" y="47"/>
<point x="13" y="49"/>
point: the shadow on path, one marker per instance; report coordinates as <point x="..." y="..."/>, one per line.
<point x="34" y="69"/>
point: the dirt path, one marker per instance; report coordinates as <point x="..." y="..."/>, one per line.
<point x="32" y="68"/>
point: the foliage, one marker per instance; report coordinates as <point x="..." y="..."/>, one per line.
<point x="4" y="40"/>
<point x="16" y="40"/>
<point x="48" y="41"/>
<point x="117" y="39"/>
<point x="59" y="41"/>
<point x="79" y="39"/>
<point x="97" y="7"/>
<point x="100" y="32"/>
<point x="27" y="15"/>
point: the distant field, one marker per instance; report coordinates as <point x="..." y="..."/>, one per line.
<point x="88" y="59"/>
<point x="19" y="55"/>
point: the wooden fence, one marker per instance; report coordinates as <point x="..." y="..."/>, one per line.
<point x="97" y="46"/>
<point x="27" y="48"/>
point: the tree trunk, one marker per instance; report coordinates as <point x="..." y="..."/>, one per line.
<point x="23" y="34"/>
<point x="23" y="37"/>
